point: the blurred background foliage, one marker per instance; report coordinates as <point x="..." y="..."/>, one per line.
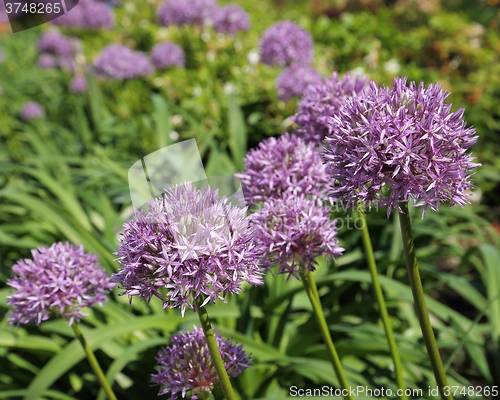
<point x="64" y="177"/>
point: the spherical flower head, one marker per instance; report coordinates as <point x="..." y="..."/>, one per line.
<point x="166" y="55"/>
<point x="87" y="14"/>
<point x="78" y="84"/>
<point x="283" y="165"/>
<point x="322" y="101"/>
<point x="60" y="279"/>
<point x="31" y="110"/>
<point x="286" y="43"/>
<point x="117" y="61"/>
<point x="294" y="81"/>
<point x="393" y="144"/>
<point x="189" y="242"/>
<point x="56" y="44"/>
<point x="231" y="19"/>
<point x="47" y="61"/>
<point x="294" y="231"/>
<point x="186" y="12"/>
<point x="187" y="366"/>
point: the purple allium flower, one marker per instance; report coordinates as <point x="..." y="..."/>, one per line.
<point x="295" y="79"/>
<point x="190" y="242"/>
<point x="117" y="61"/>
<point x="282" y="165"/>
<point x="186" y="12"/>
<point x="56" y="44"/>
<point x="392" y="144"/>
<point x="286" y="43"/>
<point x="78" y="84"/>
<point x="47" y="61"/>
<point x="231" y="19"/>
<point x="88" y="14"/>
<point x="31" y="110"/>
<point x="60" y="279"/>
<point x="295" y="230"/>
<point x="167" y="54"/>
<point x="187" y="366"/>
<point x="322" y="101"/>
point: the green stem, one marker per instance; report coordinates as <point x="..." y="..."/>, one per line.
<point x="93" y="362"/>
<point x="214" y="350"/>
<point x="372" y="266"/>
<point x="420" y="306"/>
<point x="312" y="291"/>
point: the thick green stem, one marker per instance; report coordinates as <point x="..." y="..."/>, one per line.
<point x="379" y="295"/>
<point x="94" y="364"/>
<point x="214" y="350"/>
<point x="420" y="306"/>
<point x="312" y="291"/>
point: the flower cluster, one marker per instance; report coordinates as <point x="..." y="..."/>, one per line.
<point x="87" y="14"/>
<point x="186" y="12"/>
<point x="60" y="279"/>
<point x="322" y="101"/>
<point x="187" y="366"/>
<point x="78" y="84"/>
<point x="295" y="230"/>
<point x="166" y="55"/>
<point x="393" y="144"/>
<point x="189" y="242"/>
<point x="294" y="81"/>
<point x="57" y="51"/>
<point x="31" y="110"/>
<point x="286" y="43"/>
<point x="231" y="19"/>
<point x="283" y="165"/>
<point x="117" y="61"/>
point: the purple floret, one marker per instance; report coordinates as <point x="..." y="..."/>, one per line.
<point x="322" y="101"/>
<point x="295" y="80"/>
<point x="283" y="165"/>
<point x="190" y="242"/>
<point x="286" y="43"/>
<point x="186" y="365"/>
<point x="117" y="61"/>
<point x="61" y="279"/>
<point x="78" y="84"/>
<point x="294" y="231"/>
<point x="166" y="55"/>
<point x="231" y="19"/>
<point x="87" y="14"/>
<point x="187" y="12"/>
<point x="393" y="144"/>
<point x="31" y="110"/>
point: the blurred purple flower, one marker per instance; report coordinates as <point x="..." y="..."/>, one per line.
<point x="88" y="14"/>
<point x="61" y="279"/>
<point x="231" y="19"/>
<point x="47" y="61"/>
<point x="31" y="110"/>
<point x="283" y="165"/>
<point x="186" y="12"/>
<point x="167" y="54"/>
<point x="56" y="44"/>
<point x="286" y="43"/>
<point x="322" y="101"/>
<point x="78" y="84"/>
<point x="295" y="79"/>
<point x="190" y="242"/>
<point x="117" y="61"/>
<point x="187" y="366"/>
<point x="294" y="231"/>
<point x="392" y="144"/>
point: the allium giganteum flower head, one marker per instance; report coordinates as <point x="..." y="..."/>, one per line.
<point x="166" y="55"/>
<point x="60" y="279"/>
<point x="87" y="14"/>
<point x="231" y="19"/>
<point x="323" y="100"/>
<point x="295" y="80"/>
<point x="286" y="43"/>
<point x="187" y="366"/>
<point x="282" y="165"/>
<point x="186" y="12"/>
<point x="393" y="144"/>
<point x="189" y="242"/>
<point x="295" y="230"/>
<point x="117" y="61"/>
<point x="31" y="110"/>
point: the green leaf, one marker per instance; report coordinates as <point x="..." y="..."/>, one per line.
<point x="237" y="133"/>
<point x="162" y="120"/>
